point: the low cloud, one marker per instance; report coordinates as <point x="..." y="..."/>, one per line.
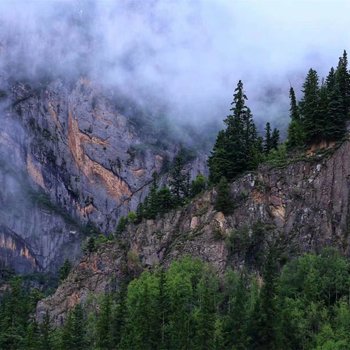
<point x="186" y="55"/>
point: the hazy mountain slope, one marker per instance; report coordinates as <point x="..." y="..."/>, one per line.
<point x="69" y="158"/>
<point x="303" y="206"/>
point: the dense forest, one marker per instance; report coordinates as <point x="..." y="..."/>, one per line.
<point x="303" y="303"/>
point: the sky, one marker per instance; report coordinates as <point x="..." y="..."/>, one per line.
<point x="184" y="54"/>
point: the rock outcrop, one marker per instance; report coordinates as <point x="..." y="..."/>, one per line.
<point x="303" y="206"/>
<point x="69" y="158"/>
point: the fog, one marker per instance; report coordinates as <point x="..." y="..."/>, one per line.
<point x="186" y="55"/>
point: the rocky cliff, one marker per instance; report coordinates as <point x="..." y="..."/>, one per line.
<point x="303" y="206"/>
<point x="70" y="161"/>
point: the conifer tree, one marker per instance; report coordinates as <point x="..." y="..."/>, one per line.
<point x="198" y="185"/>
<point x="309" y="107"/>
<point x="275" y="138"/>
<point x="296" y="135"/>
<point x="335" y="126"/>
<point x="236" y="148"/>
<point x="343" y="81"/>
<point x="103" y="325"/>
<point x="179" y="180"/>
<point x="268" y="138"/>
<point x="223" y="201"/>
<point x="65" y="269"/>
<point x="219" y="161"/>
<point x="151" y="201"/>
<point x="45" y="334"/>
<point x="262" y="327"/>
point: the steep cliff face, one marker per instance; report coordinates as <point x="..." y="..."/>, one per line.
<point x="69" y="158"/>
<point x="301" y="207"/>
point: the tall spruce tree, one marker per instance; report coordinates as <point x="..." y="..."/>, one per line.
<point x="275" y="138"/>
<point x="309" y="107"/>
<point x="343" y="80"/>
<point x="336" y="118"/>
<point x="179" y="180"/>
<point x="268" y="138"/>
<point x="296" y="135"/>
<point x="237" y="146"/>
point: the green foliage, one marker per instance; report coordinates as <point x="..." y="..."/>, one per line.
<point x="90" y="245"/>
<point x="179" y="180"/>
<point x="132" y="217"/>
<point x="161" y="200"/>
<point x="238" y="147"/>
<point x="323" y="110"/>
<point x="223" y="200"/>
<point x="303" y="305"/>
<point x="198" y="185"/>
<point x="64" y="270"/>
<point x="123" y="221"/>
<point x="278" y="157"/>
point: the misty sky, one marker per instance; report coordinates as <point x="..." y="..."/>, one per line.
<point x="186" y="54"/>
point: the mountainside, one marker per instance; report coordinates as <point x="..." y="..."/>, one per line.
<point x="300" y="207"/>
<point x="70" y="164"/>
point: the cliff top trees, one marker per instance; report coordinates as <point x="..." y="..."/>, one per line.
<point x="296" y="134"/>
<point x="309" y="106"/>
<point x="323" y="110"/>
<point x="236" y="148"/>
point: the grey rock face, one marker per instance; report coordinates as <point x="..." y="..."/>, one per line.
<point x="69" y="158"/>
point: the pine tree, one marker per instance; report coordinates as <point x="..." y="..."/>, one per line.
<point x="343" y="81"/>
<point x="179" y="180"/>
<point x="151" y="208"/>
<point x="45" y="334"/>
<point x="237" y="147"/>
<point x="309" y="107"/>
<point x="223" y="201"/>
<point x="324" y="120"/>
<point x="219" y="162"/>
<point x="296" y="135"/>
<point x="268" y="139"/>
<point x="275" y="138"/>
<point x="119" y="316"/>
<point x="91" y="245"/>
<point x="336" y="119"/>
<point x="237" y="316"/>
<point x="205" y="313"/>
<point x="73" y="333"/>
<point x="103" y="325"/>
<point x="64" y="270"/>
<point x="263" y="320"/>
<point x="165" y="200"/>
<point x="198" y="185"/>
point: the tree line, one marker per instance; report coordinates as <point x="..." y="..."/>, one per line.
<point x="303" y="305"/>
<point x="320" y="115"/>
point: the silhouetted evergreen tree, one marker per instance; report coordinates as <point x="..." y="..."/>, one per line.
<point x="335" y="127"/>
<point x="343" y="82"/>
<point x="309" y="107"/>
<point x="179" y="180"/>
<point x="268" y="138"/>
<point x="275" y="138"/>
<point x="236" y="148"/>
<point x="296" y="135"/>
